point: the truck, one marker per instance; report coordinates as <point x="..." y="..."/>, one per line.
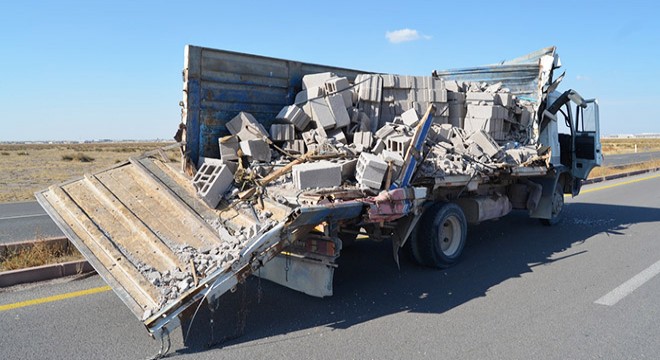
<point x="167" y="238"/>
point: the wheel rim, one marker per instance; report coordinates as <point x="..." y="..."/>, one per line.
<point x="450" y="235"/>
<point x="557" y="203"/>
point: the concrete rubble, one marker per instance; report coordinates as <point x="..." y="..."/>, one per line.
<point x="358" y="134"/>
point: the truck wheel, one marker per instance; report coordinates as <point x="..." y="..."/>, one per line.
<point x="557" y="207"/>
<point x="440" y="236"/>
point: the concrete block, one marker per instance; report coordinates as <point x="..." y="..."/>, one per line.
<point x="256" y="149"/>
<point x="485" y="142"/>
<point x="338" y="135"/>
<point x="494" y="127"/>
<point x="398" y="144"/>
<point x="386" y="130"/>
<point x="504" y="99"/>
<point x="282" y="132"/>
<point x="453" y="86"/>
<point x="321" y="114"/>
<point x="410" y="118"/>
<point x="393" y="157"/>
<point x="294" y="115"/>
<point x="228" y="147"/>
<point x="348" y="169"/>
<point x="378" y="147"/>
<point x="363" y="138"/>
<point x="369" y="87"/>
<point x="455" y="97"/>
<point x="213" y="181"/>
<point x="486" y="111"/>
<point x="340" y="85"/>
<point x="309" y="137"/>
<point x="441" y="109"/>
<point x="246" y="127"/>
<point x="318" y="174"/>
<point x="480" y="97"/>
<point x="370" y="170"/>
<point x="525" y="117"/>
<point x="304" y="97"/>
<point x="294" y="146"/>
<point x="338" y="110"/>
<point x="316" y="80"/>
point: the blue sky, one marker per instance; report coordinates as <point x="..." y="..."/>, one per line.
<point x="76" y="70"/>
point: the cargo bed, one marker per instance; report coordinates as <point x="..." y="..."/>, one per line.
<point x="143" y="215"/>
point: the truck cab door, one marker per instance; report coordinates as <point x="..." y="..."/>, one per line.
<point x="586" y="152"/>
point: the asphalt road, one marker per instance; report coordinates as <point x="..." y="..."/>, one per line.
<point x="21" y="221"/>
<point x="522" y="291"/>
<point x="623" y="159"/>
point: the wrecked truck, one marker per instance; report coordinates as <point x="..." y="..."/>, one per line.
<point x="285" y="163"/>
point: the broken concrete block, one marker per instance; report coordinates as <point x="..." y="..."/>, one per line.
<point x="348" y="169"/>
<point x="398" y="144"/>
<point x="294" y="115"/>
<point x="338" y="135"/>
<point x="485" y="142"/>
<point x="282" y="132"/>
<point x="256" y="149"/>
<point x="370" y="170"/>
<point x="340" y="85"/>
<point x="309" y="137"/>
<point x="338" y="110"/>
<point x="410" y="118"/>
<point x="246" y="127"/>
<point x="363" y="138"/>
<point x="322" y="115"/>
<point x="316" y="80"/>
<point x="228" y="147"/>
<point x="304" y="97"/>
<point x="212" y="181"/>
<point x="453" y="86"/>
<point x="318" y="174"/>
<point x="494" y="127"/>
<point x="294" y="146"/>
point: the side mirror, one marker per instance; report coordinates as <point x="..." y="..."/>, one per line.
<point x="576" y="98"/>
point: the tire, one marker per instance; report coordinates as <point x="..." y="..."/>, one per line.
<point x="557" y="207"/>
<point x="440" y="236"/>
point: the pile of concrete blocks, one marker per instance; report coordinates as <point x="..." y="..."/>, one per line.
<point x="371" y="120"/>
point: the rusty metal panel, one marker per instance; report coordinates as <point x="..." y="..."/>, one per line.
<point x="219" y="84"/>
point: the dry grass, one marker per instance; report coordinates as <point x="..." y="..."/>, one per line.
<point x="38" y="254"/>
<point x="612" y="170"/>
<point x="626" y="146"/>
<point x="27" y="168"/>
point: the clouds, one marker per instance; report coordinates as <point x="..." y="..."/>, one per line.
<point x="404" y="35"/>
<point x="582" y="78"/>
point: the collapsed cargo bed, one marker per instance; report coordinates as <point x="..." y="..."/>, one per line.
<point x="142" y="218"/>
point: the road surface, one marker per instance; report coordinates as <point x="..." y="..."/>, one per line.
<point x="585" y="289"/>
<point x="21" y="221"/>
<point x="623" y="159"/>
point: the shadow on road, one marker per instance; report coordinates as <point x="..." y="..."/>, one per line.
<point x="368" y="284"/>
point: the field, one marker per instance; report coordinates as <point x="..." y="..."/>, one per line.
<point x="33" y="167"/>
<point x="626" y="146"/>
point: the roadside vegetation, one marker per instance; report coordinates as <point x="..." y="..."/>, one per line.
<point x="27" y="168"/>
<point x="41" y="253"/>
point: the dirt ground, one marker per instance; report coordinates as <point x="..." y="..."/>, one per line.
<point x="28" y="168"/>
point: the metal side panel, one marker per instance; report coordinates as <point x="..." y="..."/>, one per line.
<point x="219" y="84"/>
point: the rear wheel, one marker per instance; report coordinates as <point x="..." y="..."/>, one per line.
<point x="557" y="207"/>
<point x="439" y="238"/>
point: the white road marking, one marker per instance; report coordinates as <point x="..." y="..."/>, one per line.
<point x="22" y="216"/>
<point x="629" y="286"/>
